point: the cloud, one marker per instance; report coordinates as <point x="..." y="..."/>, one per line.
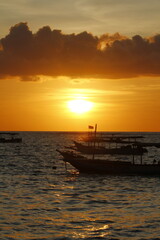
<point x="53" y="53"/>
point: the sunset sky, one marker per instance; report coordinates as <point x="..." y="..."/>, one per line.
<point x="68" y="64"/>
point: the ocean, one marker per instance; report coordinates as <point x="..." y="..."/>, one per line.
<point x="40" y="200"/>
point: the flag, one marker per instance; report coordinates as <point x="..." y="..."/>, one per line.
<point x="90" y="127"/>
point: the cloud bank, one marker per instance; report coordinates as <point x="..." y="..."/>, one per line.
<point x="53" y="53"/>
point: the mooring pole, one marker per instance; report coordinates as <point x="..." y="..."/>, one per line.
<point x="65" y="166"/>
<point x="95" y="131"/>
<point x="133" y="154"/>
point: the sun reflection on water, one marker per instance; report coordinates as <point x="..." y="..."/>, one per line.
<point x="94" y="231"/>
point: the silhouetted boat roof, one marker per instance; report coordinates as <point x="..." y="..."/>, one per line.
<point x="147" y="144"/>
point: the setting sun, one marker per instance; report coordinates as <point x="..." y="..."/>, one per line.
<point x="80" y="106"/>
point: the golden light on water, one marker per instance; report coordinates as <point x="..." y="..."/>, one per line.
<point x="79" y="106"/>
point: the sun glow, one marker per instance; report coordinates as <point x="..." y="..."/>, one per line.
<point x="80" y="106"/>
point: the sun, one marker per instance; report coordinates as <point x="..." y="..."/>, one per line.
<point x="80" y="106"/>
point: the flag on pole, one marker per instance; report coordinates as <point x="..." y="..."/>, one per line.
<point x="90" y="127"/>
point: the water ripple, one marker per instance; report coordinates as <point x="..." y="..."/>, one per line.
<point x="38" y="202"/>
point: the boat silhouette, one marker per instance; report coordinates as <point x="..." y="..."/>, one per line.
<point x="7" y="137"/>
<point x="106" y="165"/>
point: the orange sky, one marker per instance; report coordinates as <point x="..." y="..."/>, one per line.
<point x="42" y="68"/>
<point x="119" y="105"/>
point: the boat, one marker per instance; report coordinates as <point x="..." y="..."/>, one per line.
<point x="7" y="137"/>
<point x="88" y="149"/>
<point x="105" y="166"/>
<point x="109" y="164"/>
<point x="128" y="149"/>
<point x="113" y="138"/>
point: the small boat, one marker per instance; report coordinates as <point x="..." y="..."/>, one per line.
<point x="88" y="149"/>
<point x="113" y="138"/>
<point x="101" y="166"/>
<point x="122" y="150"/>
<point x="7" y="137"/>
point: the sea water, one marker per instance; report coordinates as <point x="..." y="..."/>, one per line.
<point x="40" y="200"/>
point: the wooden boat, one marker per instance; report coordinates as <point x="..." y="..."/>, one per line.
<point x="122" y="150"/>
<point x="108" y="166"/>
<point x="88" y="149"/>
<point x="113" y="138"/>
<point x="99" y="166"/>
<point x="7" y="137"/>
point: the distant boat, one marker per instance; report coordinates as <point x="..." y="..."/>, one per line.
<point x="100" y="166"/>
<point x="7" y="137"/>
<point x="88" y="149"/>
<point x="122" y="150"/>
<point x="113" y="138"/>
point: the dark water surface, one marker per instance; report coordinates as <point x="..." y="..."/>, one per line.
<point x="39" y="202"/>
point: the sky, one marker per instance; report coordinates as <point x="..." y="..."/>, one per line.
<point x="103" y="53"/>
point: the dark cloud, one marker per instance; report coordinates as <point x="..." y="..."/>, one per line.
<point x="51" y="52"/>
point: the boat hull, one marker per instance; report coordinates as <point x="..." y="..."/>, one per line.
<point x="98" y="166"/>
<point x="114" y="168"/>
